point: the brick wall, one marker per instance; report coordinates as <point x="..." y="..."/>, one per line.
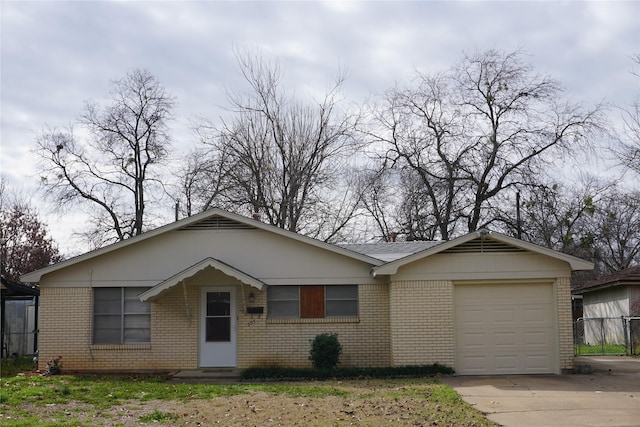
<point x="66" y="330"/>
<point x="565" y="323"/>
<point x="174" y="329"/>
<point x="286" y="342"/>
<point x="66" y="319"/>
<point x="419" y="329"/>
<point x="63" y="318"/>
<point x="422" y="324"/>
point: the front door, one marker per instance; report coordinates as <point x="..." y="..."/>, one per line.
<point x="218" y="327"/>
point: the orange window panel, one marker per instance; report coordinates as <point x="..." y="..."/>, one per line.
<point x="311" y="301"/>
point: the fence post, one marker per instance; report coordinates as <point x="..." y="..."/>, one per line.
<point x="578" y="335"/>
<point x="632" y="338"/>
<point x="602" y="335"/>
<point x="626" y="337"/>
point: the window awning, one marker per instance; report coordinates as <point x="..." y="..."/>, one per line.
<point x="225" y="268"/>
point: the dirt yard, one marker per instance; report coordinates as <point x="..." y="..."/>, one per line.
<point x="363" y="406"/>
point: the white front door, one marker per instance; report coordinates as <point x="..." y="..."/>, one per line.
<point x="218" y="327"/>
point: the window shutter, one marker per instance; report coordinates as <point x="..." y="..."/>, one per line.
<point x="311" y="302"/>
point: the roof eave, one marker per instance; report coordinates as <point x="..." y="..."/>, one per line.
<point x="575" y="262"/>
<point x="607" y="285"/>
<point x="156" y="291"/>
<point x="392" y="267"/>
<point x="36" y="276"/>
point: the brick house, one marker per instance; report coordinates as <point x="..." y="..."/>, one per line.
<point x="222" y="290"/>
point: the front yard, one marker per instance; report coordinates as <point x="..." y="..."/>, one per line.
<point x="34" y="400"/>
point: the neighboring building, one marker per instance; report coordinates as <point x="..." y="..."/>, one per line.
<point x="18" y="318"/>
<point x="608" y="300"/>
<point x="222" y="290"/>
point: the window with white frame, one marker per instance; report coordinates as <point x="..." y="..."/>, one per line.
<point x="119" y="317"/>
<point x="312" y="301"/>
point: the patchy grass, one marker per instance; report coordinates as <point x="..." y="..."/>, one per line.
<point x="584" y="349"/>
<point x="66" y="400"/>
<point x="11" y="367"/>
<point x="106" y="391"/>
<point x="158" y="416"/>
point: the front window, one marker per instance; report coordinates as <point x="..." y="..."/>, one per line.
<point x="119" y="317"/>
<point x="312" y="301"/>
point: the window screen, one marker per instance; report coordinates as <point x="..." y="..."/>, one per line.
<point x="312" y="301"/>
<point x="119" y="317"/>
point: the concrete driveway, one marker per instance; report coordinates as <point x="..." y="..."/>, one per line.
<point x="609" y="396"/>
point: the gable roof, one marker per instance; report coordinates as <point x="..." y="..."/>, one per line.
<point x="391" y="251"/>
<point x="227" y="269"/>
<point x="385" y="257"/>
<point x="213" y="218"/>
<point x="483" y="241"/>
<point x="627" y="276"/>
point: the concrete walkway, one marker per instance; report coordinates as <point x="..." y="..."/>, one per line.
<point x="207" y="376"/>
<point x="609" y="396"/>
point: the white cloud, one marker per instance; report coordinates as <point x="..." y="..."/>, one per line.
<point x="56" y="54"/>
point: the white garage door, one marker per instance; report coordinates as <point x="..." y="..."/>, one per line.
<point x="505" y="329"/>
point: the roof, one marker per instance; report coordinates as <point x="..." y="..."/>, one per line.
<point x="12" y="288"/>
<point x="192" y="222"/>
<point x="481" y="238"/>
<point x="627" y="276"/>
<point x="390" y="251"/>
<point x="385" y="258"/>
<point x="227" y="269"/>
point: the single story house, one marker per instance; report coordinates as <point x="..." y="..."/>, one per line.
<point x="606" y="301"/>
<point x="18" y="318"/>
<point x="222" y="290"/>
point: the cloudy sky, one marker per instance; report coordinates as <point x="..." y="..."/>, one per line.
<point x="55" y="55"/>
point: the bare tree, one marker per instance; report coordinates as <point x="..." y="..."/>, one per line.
<point x="518" y="119"/>
<point x="203" y="181"/>
<point x="628" y="142"/>
<point x="379" y="201"/>
<point x="282" y="156"/>
<point x="560" y="217"/>
<point x="593" y="220"/>
<point x="472" y="133"/>
<point x="617" y="227"/>
<point x="629" y="150"/>
<point x="25" y="244"/>
<point x="422" y="132"/>
<point x="113" y="171"/>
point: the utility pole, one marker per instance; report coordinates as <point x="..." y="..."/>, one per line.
<point x="518" y="220"/>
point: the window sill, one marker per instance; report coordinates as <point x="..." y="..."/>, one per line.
<point x="120" y="347"/>
<point x="279" y="320"/>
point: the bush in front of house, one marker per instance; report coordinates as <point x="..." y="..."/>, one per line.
<point x="280" y="373"/>
<point x="325" y="351"/>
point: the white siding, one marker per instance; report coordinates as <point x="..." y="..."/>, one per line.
<point x="271" y="258"/>
<point x="609" y="304"/>
<point x="634" y="298"/>
<point x="484" y="266"/>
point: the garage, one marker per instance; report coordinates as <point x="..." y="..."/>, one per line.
<point x="505" y="328"/>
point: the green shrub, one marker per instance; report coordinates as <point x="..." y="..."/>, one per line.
<point x="325" y="351"/>
<point x="286" y="374"/>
